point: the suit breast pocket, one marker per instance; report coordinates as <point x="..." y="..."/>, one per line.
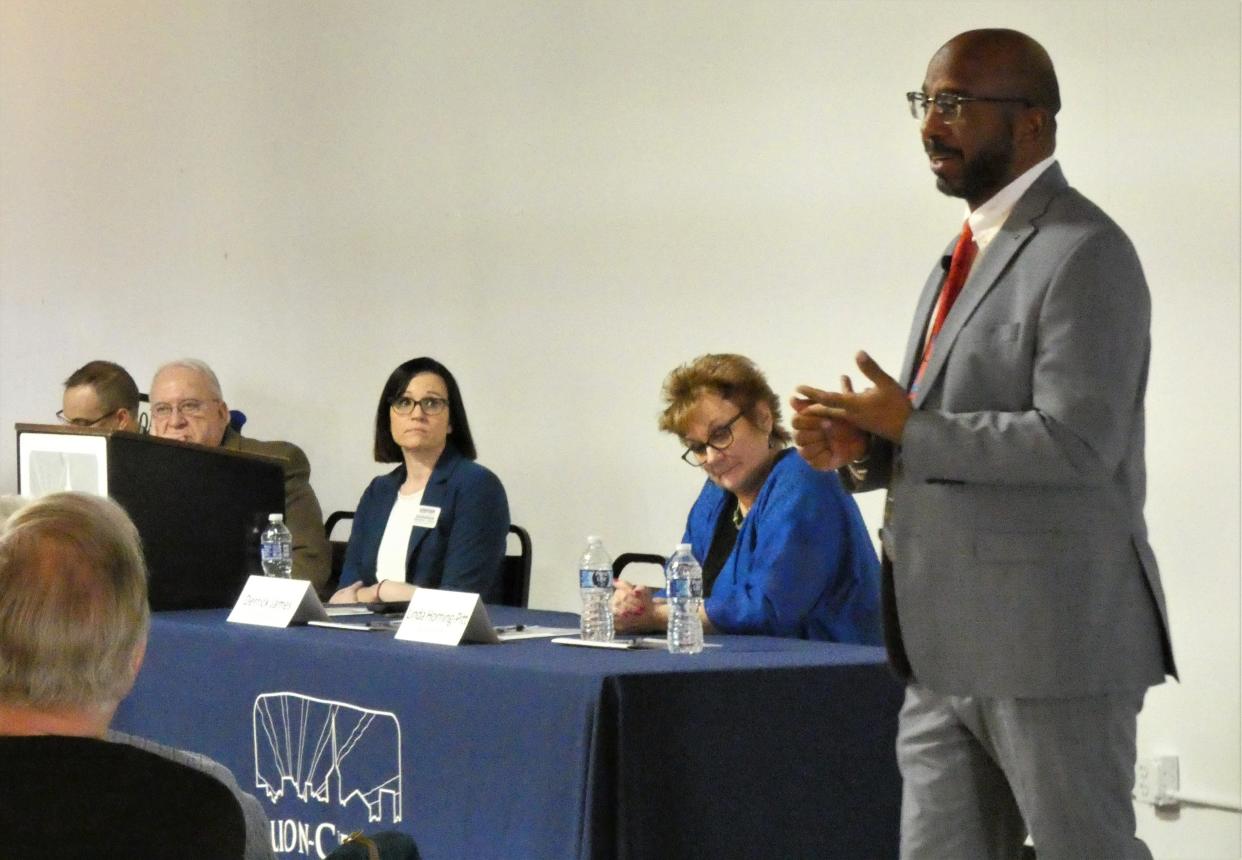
<point x="993" y="333"/>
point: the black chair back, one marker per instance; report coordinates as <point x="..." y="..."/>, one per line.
<point x="338" y="550"/>
<point x="636" y="558"/>
<point x="515" y="576"/>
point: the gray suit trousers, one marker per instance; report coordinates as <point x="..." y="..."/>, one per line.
<point x="978" y="772"/>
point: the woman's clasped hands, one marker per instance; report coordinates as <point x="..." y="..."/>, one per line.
<point x="635" y="608"/>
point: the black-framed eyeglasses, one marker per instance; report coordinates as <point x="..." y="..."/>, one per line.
<point x="719" y="439"/>
<point x="189" y="408"/>
<point x="403" y="405"/>
<point x="949" y="105"/>
<point x="84" y="422"/>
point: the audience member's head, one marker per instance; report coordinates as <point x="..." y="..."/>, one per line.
<point x="9" y="505"/>
<point x="187" y="404"/>
<point x="103" y="395"/>
<point x="73" y="614"/>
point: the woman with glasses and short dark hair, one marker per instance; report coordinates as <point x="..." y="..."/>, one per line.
<point x="783" y="547"/>
<point x="439" y="520"/>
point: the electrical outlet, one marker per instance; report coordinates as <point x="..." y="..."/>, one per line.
<point x="1156" y="781"/>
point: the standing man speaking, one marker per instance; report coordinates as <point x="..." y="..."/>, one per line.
<point x="1022" y="601"/>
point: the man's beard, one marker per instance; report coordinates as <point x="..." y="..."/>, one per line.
<point x="983" y="175"/>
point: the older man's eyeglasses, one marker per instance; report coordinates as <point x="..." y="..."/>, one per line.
<point x="430" y="405"/>
<point x="84" y="422"/>
<point x="949" y="105"/>
<point x="188" y="408"/>
<point x="719" y="439"/>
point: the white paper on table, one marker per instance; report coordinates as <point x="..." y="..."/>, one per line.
<point x="335" y="610"/>
<point x="533" y="631"/>
<point x="363" y="626"/>
<point x="614" y="644"/>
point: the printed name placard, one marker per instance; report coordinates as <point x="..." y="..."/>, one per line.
<point x="446" y="618"/>
<point x="271" y="601"/>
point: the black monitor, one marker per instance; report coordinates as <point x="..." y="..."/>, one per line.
<point x="199" y="510"/>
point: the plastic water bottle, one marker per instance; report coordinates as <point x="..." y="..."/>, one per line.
<point x="595" y="583"/>
<point x="276" y="548"/>
<point x="684" y="581"/>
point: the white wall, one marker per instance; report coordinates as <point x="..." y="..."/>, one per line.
<point x="562" y="200"/>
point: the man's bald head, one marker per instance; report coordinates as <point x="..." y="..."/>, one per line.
<point x="1019" y="66"/>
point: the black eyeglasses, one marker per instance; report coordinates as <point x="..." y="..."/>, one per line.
<point x="949" y="105"/>
<point x="83" y="422"/>
<point x="405" y="405"/>
<point x="719" y="439"/>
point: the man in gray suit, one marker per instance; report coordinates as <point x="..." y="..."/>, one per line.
<point x="1022" y="601"/>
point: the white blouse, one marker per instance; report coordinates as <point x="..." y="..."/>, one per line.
<point x="390" y="564"/>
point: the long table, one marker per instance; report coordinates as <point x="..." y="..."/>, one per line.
<point x="761" y="747"/>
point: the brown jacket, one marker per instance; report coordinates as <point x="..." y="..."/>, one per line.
<point x="312" y="557"/>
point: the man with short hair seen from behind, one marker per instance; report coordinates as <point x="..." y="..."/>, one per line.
<point x="73" y="633"/>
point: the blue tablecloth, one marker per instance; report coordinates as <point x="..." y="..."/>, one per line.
<point x="766" y="748"/>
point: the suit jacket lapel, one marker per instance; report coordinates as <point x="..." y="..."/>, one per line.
<point x="434" y="496"/>
<point x="1018" y="228"/>
<point x="918" y="328"/>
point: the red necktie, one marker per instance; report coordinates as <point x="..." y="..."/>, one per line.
<point x="959" y="269"/>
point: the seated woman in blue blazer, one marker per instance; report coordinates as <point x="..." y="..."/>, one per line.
<point x="439" y="520"/>
<point x="783" y="546"/>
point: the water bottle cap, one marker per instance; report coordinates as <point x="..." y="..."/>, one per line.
<point x="275" y="518"/>
<point x="684" y="547"/>
<point x="594" y="539"/>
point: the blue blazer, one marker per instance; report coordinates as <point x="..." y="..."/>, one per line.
<point x="463" y="552"/>
<point x="803" y="565"/>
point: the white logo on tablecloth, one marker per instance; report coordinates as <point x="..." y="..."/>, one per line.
<point x="311" y="746"/>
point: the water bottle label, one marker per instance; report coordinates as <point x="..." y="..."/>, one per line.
<point x="601" y="578"/>
<point x="275" y="551"/>
<point x="685" y="588"/>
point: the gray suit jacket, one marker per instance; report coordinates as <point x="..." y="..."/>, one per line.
<point x="1017" y="561"/>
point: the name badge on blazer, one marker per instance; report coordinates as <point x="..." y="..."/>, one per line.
<point x="427" y="517"/>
